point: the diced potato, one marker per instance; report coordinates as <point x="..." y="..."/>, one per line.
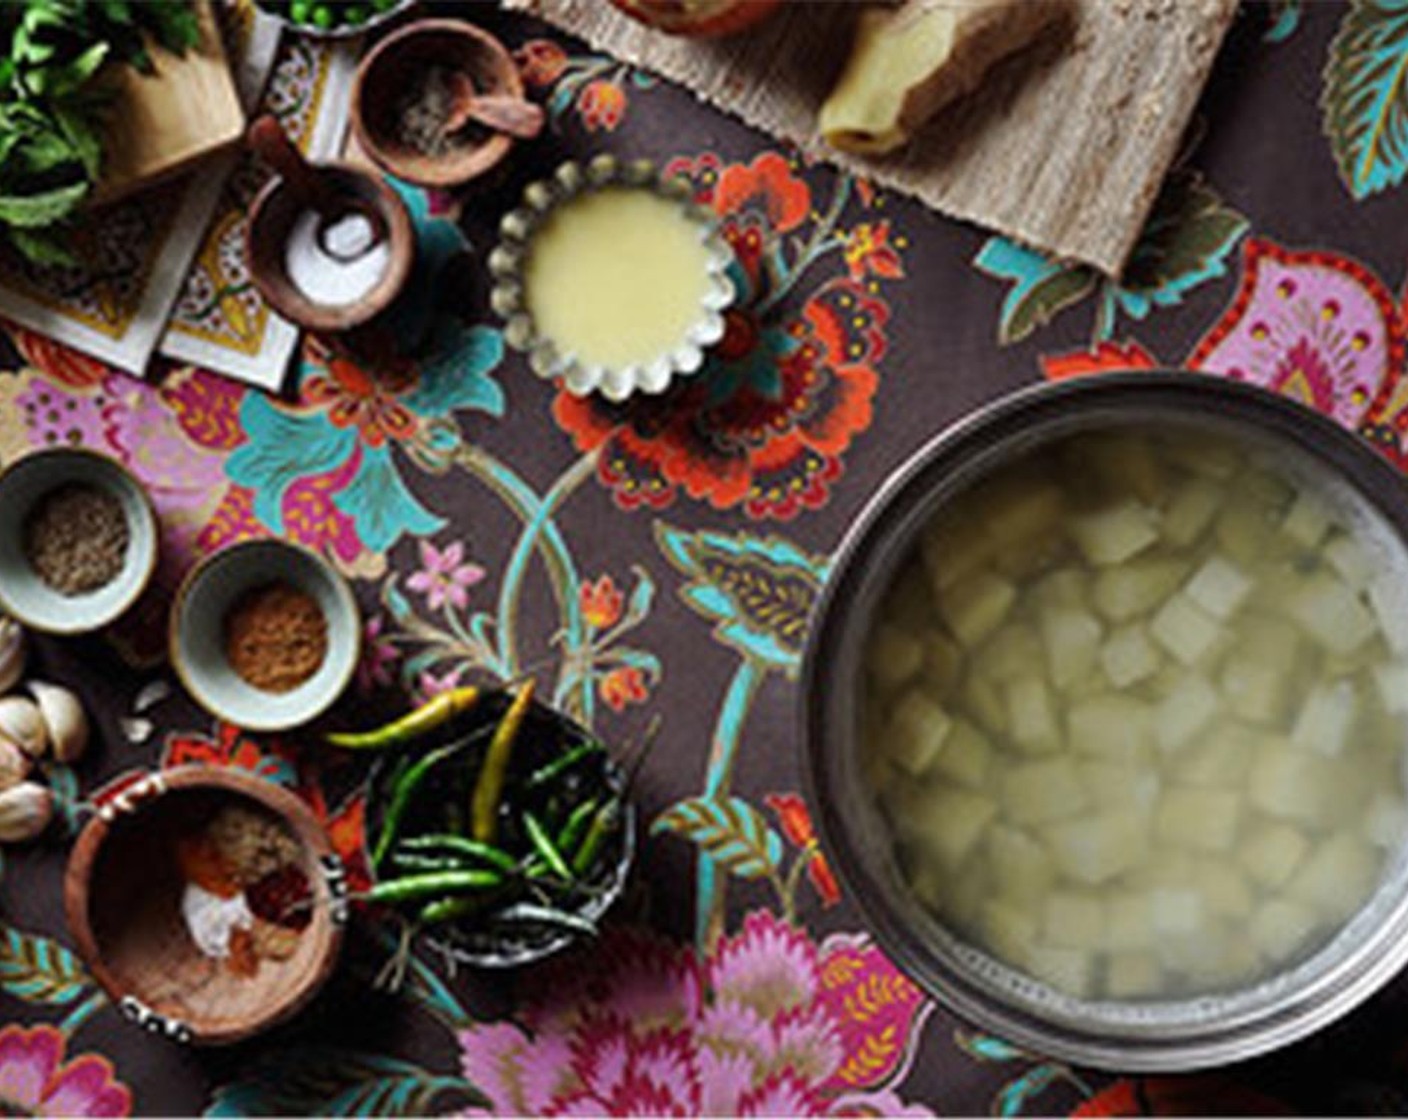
<point x="1124" y="463"/>
<point x="917" y="730"/>
<point x="1184" y="629"/>
<point x="1184" y="713"/>
<point x="1128" y="656"/>
<point x="1021" y="867"/>
<point x="1308" y="519"/>
<point x="1190" y="512"/>
<point x="1325" y="719"/>
<point x="1014" y="650"/>
<point x="1065" y="587"/>
<point x="1224" y="888"/>
<point x="964" y="892"/>
<point x="1292" y="784"/>
<point x="1264" y="481"/>
<point x="1200" y="820"/>
<point x="1176" y="910"/>
<point x="946" y="823"/>
<point x="951" y="550"/>
<point x="1109" y="725"/>
<point x="1386" y="823"/>
<point x="1008" y="931"/>
<point x="1115" y="534"/>
<point x="1074" y="920"/>
<point x="1215" y="958"/>
<point x="1071" y="637"/>
<point x="1392" y="681"/>
<point x="1332" y="614"/>
<point x="976" y="605"/>
<point x="1031" y="719"/>
<point x="1130" y="922"/>
<point x="927" y="882"/>
<point x="1221" y="759"/>
<point x="1388" y="598"/>
<point x="1337" y="877"/>
<point x="981" y="699"/>
<point x="1245" y="530"/>
<point x="893" y="656"/>
<point x="1270" y="641"/>
<point x="1121" y="785"/>
<point x="1207" y="456"/>
<point x="1132" y="975"/>
<point x="1016" y="515"/>
<point x="1130" y="590"/>
<point x="1282" y="928"/>
<point x="1036" y="793"/>
<point x="1367" y="655"/>
<point x="1067" y="970"/>
<point x="1094" y="849"/>
<point x="965" y="755"/>
<point x="1353" y="563"/>
<point x="1219" y="587"/>
<point x="1255" y="692"/>
<point x="1271" y="852"/>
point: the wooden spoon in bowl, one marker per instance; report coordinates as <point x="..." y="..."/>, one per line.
<point x="500" y="112"/>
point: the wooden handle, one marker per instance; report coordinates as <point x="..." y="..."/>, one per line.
<point x="501" y="112"/>
<point x="272" y="145"/>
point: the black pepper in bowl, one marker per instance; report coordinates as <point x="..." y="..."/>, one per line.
<point x="76" y="537"/>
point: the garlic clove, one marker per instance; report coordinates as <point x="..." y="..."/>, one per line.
<point x="25" y="811"/>
<point x="12" y="653"/>
<point x="15" y="765"/>
<point x="23" y="724"/>
<point x="65" y="721"/>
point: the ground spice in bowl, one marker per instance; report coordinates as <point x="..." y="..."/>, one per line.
<point x="76" y="537"/>
<point x="425" y="109"/>
<point x="276" y="637"/>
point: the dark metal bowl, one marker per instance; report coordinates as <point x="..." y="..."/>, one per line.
<point x="1167" y="1035"/>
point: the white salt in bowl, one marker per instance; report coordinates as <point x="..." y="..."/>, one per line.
<point x="197" y="633"/>
<point x="23" y="594"/>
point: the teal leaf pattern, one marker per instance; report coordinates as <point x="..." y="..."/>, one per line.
<point x="40" y="970"/>
<point x="1365" y="98"/>
<point x="1285" y="19"/>
<point x="377" y="499"/>
<point x="759" y="590"/>
<point x="327" y="1081"/>
<point x="290" y="447"/>
<point x="1014" y="1096"/>
<point x="730" y="830"/>
<point x="1041" y="288"/>
<point x="456" y="373"/>
<point x="987" y="1047"/>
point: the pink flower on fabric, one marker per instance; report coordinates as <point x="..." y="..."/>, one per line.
<point x="36" y="1081"/>
<point x="430" y="684"/>
<point x="445" y="576"/>
<point x="378" y="656"/>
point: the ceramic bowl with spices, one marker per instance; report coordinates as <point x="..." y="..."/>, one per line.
<point x="209" y="904"/>
<point x="503" y="831"/>
<point x="265" y="634"/>
<point x="611" y="278"/>
<point x="78" y="540"/>
<point x="439" y="103"/>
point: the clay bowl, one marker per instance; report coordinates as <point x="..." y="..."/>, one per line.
<point x="123" y="891"/>
<point x="271" y="219"/>
<point x="392" y="67"/>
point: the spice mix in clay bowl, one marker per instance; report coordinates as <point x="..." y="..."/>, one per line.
<point x="78" y="540"/>
<point x="265" y="634"/>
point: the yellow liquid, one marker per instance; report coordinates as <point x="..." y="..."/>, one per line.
<point x="615" y="278"/>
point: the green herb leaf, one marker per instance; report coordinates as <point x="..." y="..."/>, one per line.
<point x="44" y="208"/>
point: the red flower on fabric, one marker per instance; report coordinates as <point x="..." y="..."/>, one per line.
<point x="541" y="61"/>
<point x="356" y="398"/>
<point x="1190" y="1095"/>
<point x="765" y="423"/>
<point x="869" y="253"/>
<point x="1107" y="357"/>
<point x="231" y="746"/>
<point x="796" y="824"/>
<point x="601" y="602"/>
<point x="622" y="686"/>
<point x="63" y="364"/>
<point x="602" y="104"/>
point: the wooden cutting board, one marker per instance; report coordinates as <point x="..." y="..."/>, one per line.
<point x="164" y="122"/>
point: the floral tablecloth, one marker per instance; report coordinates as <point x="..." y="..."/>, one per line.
<point x="661" y="558"/>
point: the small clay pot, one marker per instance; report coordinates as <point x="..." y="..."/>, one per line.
<point x="271" y="219"/>
<point x="393" y="66"/>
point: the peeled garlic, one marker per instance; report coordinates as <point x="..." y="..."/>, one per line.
<point x="25" y="811"/>
<point x="12" y="653"/>
<point x="64" y="719"/>
<point x="23" y="724"/>
<point x="14" y="764"/>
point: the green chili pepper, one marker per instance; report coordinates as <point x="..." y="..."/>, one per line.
<point x="545" y="847"/>
<point x="462" y="845"/>
<point x="562" y="763"/>
<point x="413" y="888"/>
<point x="603" y="824"/>
<point x="546" y="915"/>
<point x="571" y="832"/>
<point x="404" y="789"/>
<point x="430" y="715"/>
<point x="489" y="788"/>
<point x="415" y="861"/>
<point x="449" y="910"/>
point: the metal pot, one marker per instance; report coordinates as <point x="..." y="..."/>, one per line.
<point x="1132" y="1036"/>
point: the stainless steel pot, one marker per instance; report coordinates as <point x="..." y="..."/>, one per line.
<point x="1132" y="1036"/>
